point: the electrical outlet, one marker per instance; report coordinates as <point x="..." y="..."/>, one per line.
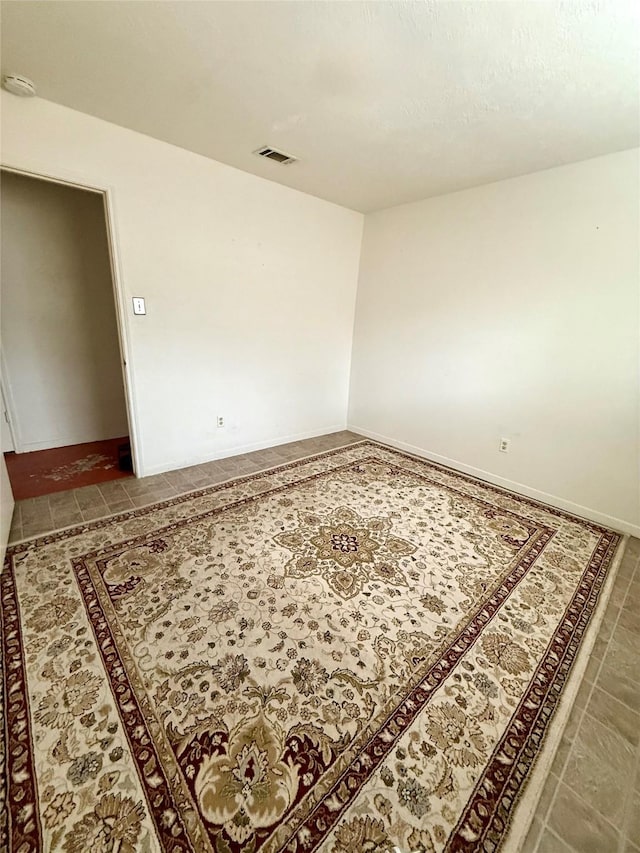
<point x="220" y="421"/>
<point x="503" y="447"/>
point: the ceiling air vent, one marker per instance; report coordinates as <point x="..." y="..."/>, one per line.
<point x="273" y="154"/>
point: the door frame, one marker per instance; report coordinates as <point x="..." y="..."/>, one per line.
<point x="107" y="192"/>
<point x="7" y="401"/>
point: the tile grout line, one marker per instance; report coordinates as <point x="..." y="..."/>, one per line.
<point x="583" y="713"/>
<point x="148" y="498"/>
<point x="556" y="837"/>
<point x="626" y="821"/>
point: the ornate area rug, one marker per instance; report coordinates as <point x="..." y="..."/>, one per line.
<point x="347" y="653"/>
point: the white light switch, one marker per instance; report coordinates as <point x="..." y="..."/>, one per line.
<point x="138" y="305"/>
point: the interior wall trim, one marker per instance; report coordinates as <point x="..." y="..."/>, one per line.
<point x="617" y="524"/>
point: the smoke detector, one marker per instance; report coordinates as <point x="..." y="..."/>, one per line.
<point x="274" y="154"/>
<point x="19" y="85"/>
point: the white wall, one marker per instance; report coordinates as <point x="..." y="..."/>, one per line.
<point x="6" y="508"/>
<point x="507" y="310"/>
<point x="250" y="286"/>
<point x="511" y="310"/>
<point x="5" y="430"/>
<point x="59" y="333"/>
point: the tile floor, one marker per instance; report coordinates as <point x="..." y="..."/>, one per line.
<point x="591" y="802"/>
<point x="35" y="516"/>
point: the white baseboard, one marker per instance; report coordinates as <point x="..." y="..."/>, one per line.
<point x="618" y="524"/>
<point x="243" y="448"/>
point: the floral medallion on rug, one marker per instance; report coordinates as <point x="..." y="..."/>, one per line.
<point x="348" y="653"/>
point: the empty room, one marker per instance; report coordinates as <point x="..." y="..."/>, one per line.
<point x="320" y="374"/>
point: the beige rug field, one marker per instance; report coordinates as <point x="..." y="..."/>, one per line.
<point x="357" y="651"/>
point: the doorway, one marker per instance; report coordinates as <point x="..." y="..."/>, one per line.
<point x="63" y="384"/>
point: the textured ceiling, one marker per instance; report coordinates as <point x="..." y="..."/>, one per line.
<point x="383" y="102"/>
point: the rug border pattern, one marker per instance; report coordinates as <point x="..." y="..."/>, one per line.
<point x="572" y="628"/>
<point x="141" y="742"/>
<point x="19" y="784"/>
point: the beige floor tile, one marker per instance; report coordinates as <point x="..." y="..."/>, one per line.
<point x="63" y="500"/>
<point x="41" y="500"/>
<point x="66" y="519"/>
<point x="615" y="715"/>
<point x="575" y="715"/>
<point x="89" y="496"/>
<point x="120" y="506"/>
<point x="117" y="498"/>
<point x="33" y="513"/>
<point x="140" y="501"/>
<point x="215" y="467"/>
<point x="267" y="458"/>
<point x="171" y="490"/>
<point x="633" y="828"/>
<point x="599" y="649"/>
<point x="592" y="669"/>
<point x="633" y="594"/>
<point x="550" y="843"/>
<point x="619" y="593"/>
<point x="562" y="753"/>
<point x="177" y="476"/>
<point x="34" y="507"/>
<point x="150" y="497"/>
<point x="627" y="568"/>
<point x="531" y="841"/>
<point x="204" y="482"/>
<point x="599" y="760"/>
<point x="144" y="485"/>
<point x="633" y="546"/>
<point x="33" y="529"/>
<point x="15" y="533"/>
<point x="629" y="619"/>
<point x="579" y="825"/>
<point x="89" y="513"/>
<point x="17" y="513"/>
<point x="609" y="622"/>
<point x="112" y="490"/>
<point x="546" y="797"/>
<point x="237" y="469"/>
<point x="165" y="492"/>
<point x="583" y="694"/>
<point x="620" y="671"/>
<point x="38" y="518"/>
<point x="296" y="450"/>
<point x="255" y="456"/>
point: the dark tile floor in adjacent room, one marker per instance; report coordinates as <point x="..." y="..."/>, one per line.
<point x="59" y="469"/>
<point x="591" y="801"/>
